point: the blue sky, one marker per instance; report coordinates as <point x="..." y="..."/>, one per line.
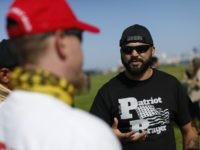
<point x="174" y="25"/>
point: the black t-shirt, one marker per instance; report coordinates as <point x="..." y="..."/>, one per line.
<point x="154" y="103"/>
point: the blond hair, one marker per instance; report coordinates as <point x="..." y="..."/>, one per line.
<point x="29" y="48"/>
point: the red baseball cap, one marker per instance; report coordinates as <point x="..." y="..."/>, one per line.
<point x="40" y="16"/>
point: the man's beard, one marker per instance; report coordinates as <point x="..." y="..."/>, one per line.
<point x="136" y="70"/>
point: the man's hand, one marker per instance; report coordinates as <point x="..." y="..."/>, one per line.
<point x="190" y="137"/>
<point x="129" y="136"/>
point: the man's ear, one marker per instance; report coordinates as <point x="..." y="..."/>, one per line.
<point x="4" y="75"/>
<point x="59" y="44"/>
<point x="153" y="50"/>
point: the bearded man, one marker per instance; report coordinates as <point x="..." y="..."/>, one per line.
<point x="142" y="103"/>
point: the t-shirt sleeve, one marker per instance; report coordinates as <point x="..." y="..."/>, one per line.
<point x="101" y="107"/>
<point x="182" y="115"/>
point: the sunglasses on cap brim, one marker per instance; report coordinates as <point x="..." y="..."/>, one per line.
<point x="139" y="49"/>
<point x="75" y="32"/>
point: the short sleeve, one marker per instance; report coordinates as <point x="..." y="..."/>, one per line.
<point x="101" y="106"/>
<point x="182" y="115"/>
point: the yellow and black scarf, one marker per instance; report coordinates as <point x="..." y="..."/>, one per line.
<point x="44" y="82"/>
<point x="4" y="91"/>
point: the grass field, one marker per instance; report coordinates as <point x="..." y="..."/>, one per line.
<point x="84" y="100"/>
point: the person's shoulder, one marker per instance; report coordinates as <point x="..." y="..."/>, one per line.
<point x="114" y="82"/>
<point x="69" y="123"/>
<point x="164" y="75"/>
<point x="88" y="119"/>
<point x="92" y="128"/>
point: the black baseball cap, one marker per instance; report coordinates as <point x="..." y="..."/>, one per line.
<point x="136" y="33"/>
<point x="7" y="58"/>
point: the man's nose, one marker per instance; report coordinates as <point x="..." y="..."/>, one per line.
<point x="135" y="53"/>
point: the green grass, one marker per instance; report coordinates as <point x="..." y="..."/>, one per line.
<point x="175" y="70"/>
<point x="85" y="100"/>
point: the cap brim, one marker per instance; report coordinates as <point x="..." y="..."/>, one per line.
<point x="87" y="27"/>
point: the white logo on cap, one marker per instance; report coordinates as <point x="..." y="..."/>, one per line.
<point x="25" y="20"/>
<point x="135" y="38"/>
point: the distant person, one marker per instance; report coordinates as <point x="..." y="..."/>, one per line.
<point x="142" y="103"/>
<point x="155" y="62"/>
<point x="192" y="82"/>
<point x="7" y="62"/>
<point x="88" y="81"/>
<point x="46" y="38"/>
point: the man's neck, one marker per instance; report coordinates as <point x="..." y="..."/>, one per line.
<point x="146" y="75"/>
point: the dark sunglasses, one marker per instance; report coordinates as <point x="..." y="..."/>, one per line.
<point x="138" y="49"/>
<point x="75" y="32"/>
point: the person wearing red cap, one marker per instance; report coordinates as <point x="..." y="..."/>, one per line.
<point x="141" y="103"/>
<point x="46" y="39"/>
